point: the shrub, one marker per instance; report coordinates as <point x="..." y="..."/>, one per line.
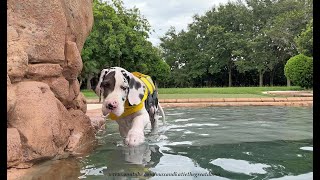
<point x="299" y="69"/>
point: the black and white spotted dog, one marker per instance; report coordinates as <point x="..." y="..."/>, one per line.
<point x="116" y="87"/>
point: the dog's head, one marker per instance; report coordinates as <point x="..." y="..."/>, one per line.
<point x="115" y="86"/>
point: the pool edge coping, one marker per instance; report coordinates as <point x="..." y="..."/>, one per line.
<point x="225" y="100"/>
<point x="216" y="102"/>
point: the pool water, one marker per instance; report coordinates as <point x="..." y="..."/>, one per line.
<point x="212" y="143"/>
<point x="204" y="143"/>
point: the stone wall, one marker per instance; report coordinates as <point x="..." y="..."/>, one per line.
<point x="46" y="111"/>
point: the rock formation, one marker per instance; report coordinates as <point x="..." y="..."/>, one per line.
<point x="46" y="111"/>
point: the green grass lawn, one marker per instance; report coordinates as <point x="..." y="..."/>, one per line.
<point x="185" y="96"/>
<point x="227" y="90"/>
<point x="216" y="92"/>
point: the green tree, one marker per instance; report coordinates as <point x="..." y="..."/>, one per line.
<point x="291" y="17"/>
<point x="90" y="61"/>
<point x="118" y="38"/>
<point x="238" y="38"/>
<point x="234" y="19"/>
<point x="257" y="56"/>
<point x="305" y="40"/>
<point x="172" y="50"/>
<point x="257" y="53"/>
<point x="209" y="46"/>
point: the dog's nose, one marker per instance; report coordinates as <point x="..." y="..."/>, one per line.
<point x="110" y="106"/>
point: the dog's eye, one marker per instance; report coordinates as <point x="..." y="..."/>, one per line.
<point x="123" y="88"/>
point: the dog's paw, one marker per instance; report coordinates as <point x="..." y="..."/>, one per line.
<point x="134" y="138"/>
<point x="154" y="131"/>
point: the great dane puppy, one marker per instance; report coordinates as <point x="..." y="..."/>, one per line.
<point x="119" y="89"/>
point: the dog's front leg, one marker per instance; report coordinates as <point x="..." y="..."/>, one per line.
<point x="154" y="125"/>
<point x="135" y="135"/>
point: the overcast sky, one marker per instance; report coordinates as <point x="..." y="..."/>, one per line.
<point x="162" y="14"/>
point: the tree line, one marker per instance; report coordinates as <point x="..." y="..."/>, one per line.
<point x="240" y="43"/>
<point x="243" y="43"/>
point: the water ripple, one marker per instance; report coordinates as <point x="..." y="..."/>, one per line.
<point x="307" y="148"/>
<point x="240" y="166"/>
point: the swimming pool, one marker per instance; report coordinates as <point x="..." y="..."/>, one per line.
<point x="220" y="143"/>
<point x="203" y="143"/>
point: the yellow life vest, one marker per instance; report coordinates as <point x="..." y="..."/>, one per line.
<point x="128" y="109"/>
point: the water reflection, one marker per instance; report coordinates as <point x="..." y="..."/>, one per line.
<point x="54" y="170"/>
<point x="121" y="160"/>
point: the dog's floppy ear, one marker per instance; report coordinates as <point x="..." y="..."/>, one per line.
<point x="136" y="90"/>
<point x="98" y="89"/>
